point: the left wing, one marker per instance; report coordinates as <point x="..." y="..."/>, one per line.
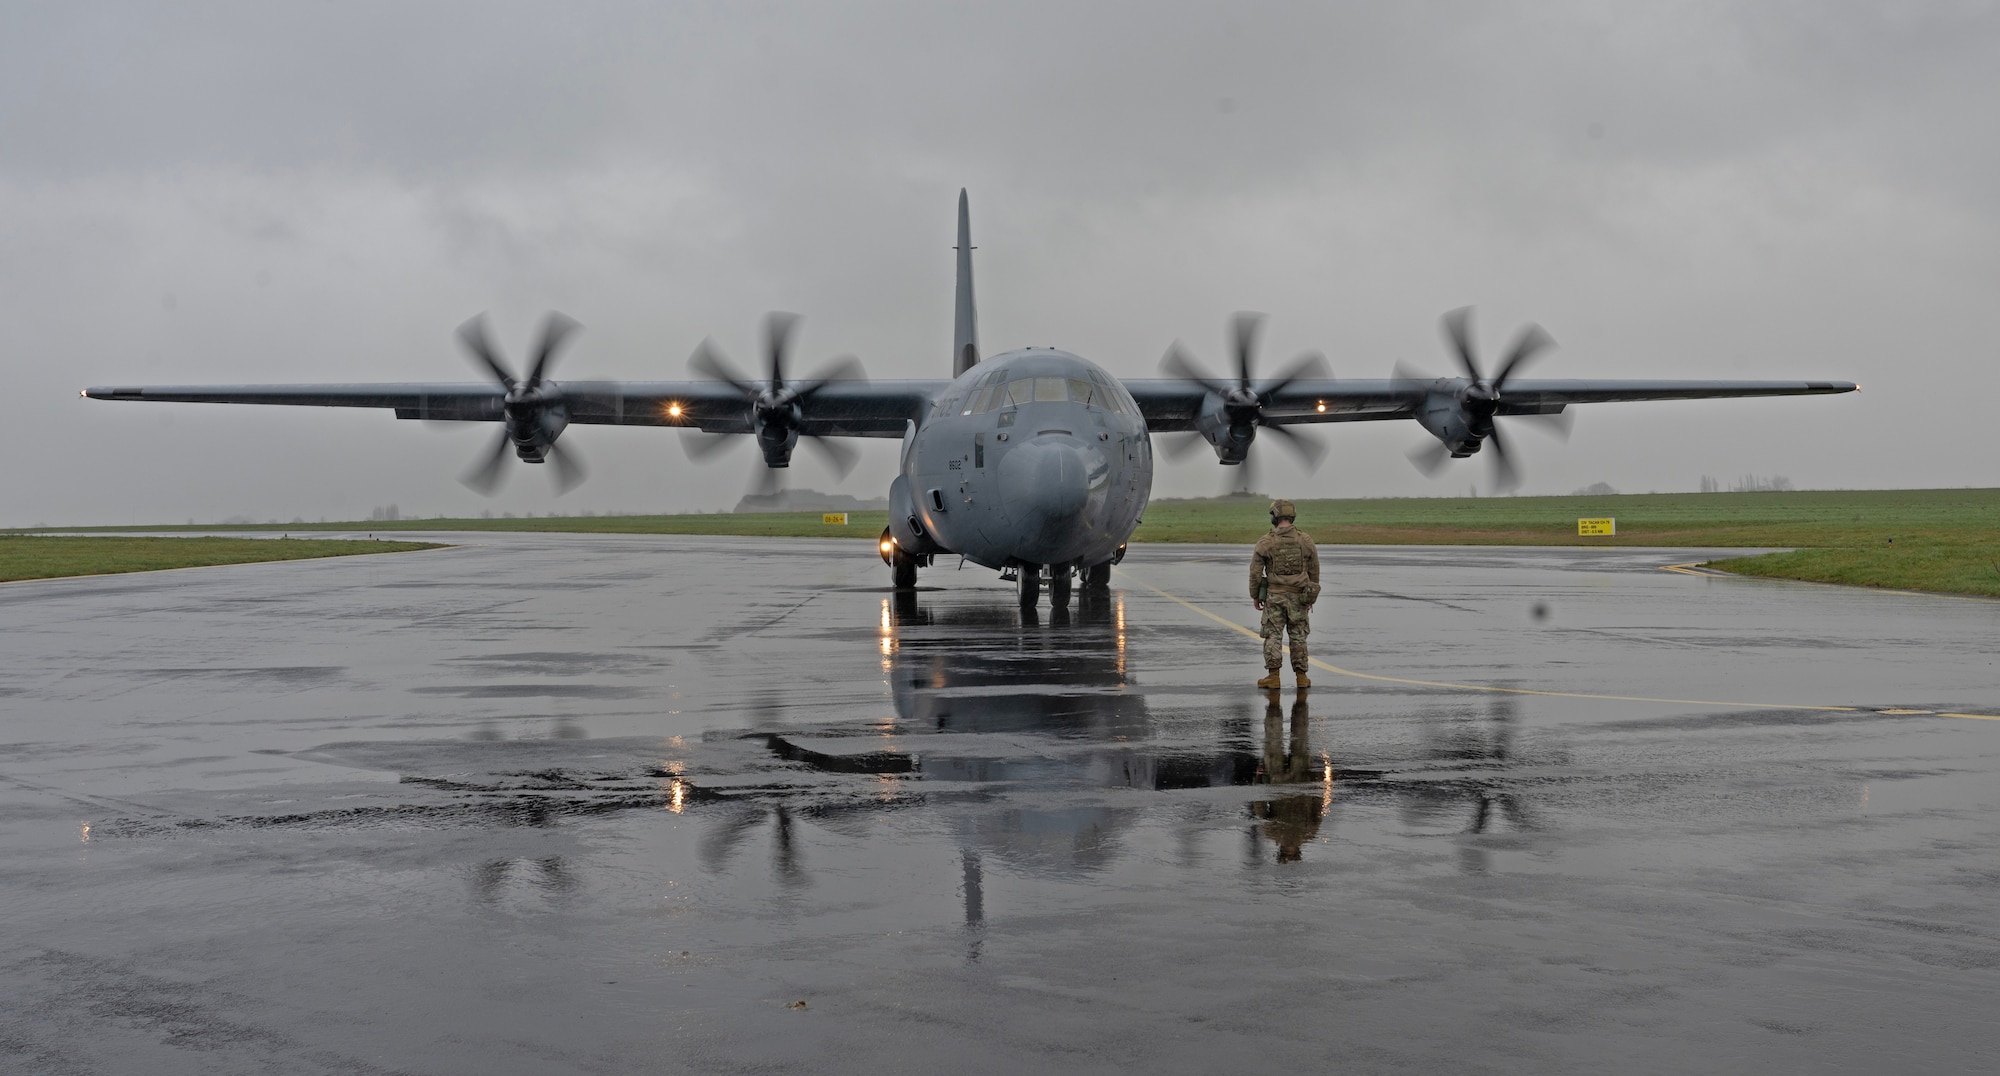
<point x="534" y="410"/>
<point x="838" y="408"/>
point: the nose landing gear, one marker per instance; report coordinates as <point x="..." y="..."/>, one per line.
<point x="902" y="563"/>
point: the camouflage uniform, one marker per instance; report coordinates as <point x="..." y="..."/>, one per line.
<point x="1284" y="575"/>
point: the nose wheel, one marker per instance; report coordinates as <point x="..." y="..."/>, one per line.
<point x="902" y="564"/>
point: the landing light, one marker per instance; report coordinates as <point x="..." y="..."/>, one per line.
<point x="673" y="410"/>
<point x="1322" y="407"/>
<point x="887" y="544"/>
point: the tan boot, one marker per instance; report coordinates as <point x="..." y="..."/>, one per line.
<point x="1270" y="680"/>
<point x="1304" y="680"/>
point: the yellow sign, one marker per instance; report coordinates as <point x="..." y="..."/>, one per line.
<point x="1589" y="527"/>
<point x="834" y="519"/>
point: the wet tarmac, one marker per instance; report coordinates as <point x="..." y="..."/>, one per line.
<point x="597" y="804"/>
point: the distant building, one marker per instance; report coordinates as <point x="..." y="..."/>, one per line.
<point x="808" y="500"/>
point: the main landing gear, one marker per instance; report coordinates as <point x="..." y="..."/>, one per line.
<point x="1028" y="580"/>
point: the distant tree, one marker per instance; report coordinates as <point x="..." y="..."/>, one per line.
<point x="1595" y="489"/>
<point x="1710" y="484"/>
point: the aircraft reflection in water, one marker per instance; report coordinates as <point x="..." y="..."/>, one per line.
<point x="981" y="671"/>
<point x="1015" y="729"/>
<point x="1480" y="750"/>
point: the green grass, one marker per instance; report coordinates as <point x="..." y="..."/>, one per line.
<point x="1943" y="540"/>
<point x="1948" y="564"/>
<point x="36" y="556"/>
<point x="1809" y="518"/>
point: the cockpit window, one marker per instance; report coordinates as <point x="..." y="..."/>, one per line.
<point x="1093" y="390"/>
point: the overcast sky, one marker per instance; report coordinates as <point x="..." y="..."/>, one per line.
<point x="212" y="193"/>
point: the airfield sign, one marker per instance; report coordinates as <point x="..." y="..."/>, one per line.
<point x="1596" y="527"/>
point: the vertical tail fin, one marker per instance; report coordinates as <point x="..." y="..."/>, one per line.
<point x="965" y="323"/>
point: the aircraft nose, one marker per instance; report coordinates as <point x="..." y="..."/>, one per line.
<point x="1047" y="478"/>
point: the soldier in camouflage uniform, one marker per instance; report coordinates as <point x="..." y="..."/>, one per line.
<point x="1284" y="584"/>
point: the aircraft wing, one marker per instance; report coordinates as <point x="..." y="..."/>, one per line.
<point x="838" y="409"/>
<point x="1172" y="405"/>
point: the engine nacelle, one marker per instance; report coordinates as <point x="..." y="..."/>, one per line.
<point x="1448" y="420"/>
<point x="777" y="436"/>
<point x="533" y="430"/>
<point x="1231" y="442"/>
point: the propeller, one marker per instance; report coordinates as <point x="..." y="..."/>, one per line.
<point x="534" y="415"/>
<point x="1242" y="402"/>
<point x="778" y="405"/>
<point x="1479" y="400"/>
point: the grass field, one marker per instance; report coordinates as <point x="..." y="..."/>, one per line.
<point x="1938" y="540"/>
<point x="34" y="556"/>
<point x="1942" y="540"/>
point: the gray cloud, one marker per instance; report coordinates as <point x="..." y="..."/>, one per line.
<point x="325" y="191"/>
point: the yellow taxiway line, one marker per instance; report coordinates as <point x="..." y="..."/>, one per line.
<point x="1492" y="689"/>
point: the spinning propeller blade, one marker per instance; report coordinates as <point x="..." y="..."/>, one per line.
<point x="1480" y="403"/>
<point x="484" y="477"/>
<point x="1245" y="400"/>
<point x="526" y="402"/>
<point x="777" y="403"/>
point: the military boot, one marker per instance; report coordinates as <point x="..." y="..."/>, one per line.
<point x="1304" y="680"/>
<point x="1270" y="680"/>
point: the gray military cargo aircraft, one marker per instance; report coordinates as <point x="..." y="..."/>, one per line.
<point x="1035" y="462"/>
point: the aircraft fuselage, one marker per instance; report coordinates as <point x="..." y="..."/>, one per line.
<point x="1032" y="457"/>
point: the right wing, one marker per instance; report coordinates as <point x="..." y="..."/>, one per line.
<point x="1172" y="405"/>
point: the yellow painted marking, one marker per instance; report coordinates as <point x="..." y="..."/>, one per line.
<point x="833" y="519"/>
<point x="1597" y="527"/>
<point x="1338" y="671"/>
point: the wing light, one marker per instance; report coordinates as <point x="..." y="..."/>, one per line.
<point x="673" y="410"/>
<point x="1322" y="407"/>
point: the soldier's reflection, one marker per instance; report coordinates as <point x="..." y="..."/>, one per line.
<point x="1292" y="819"/>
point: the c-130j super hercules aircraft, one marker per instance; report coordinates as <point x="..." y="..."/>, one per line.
<point x="1035" y="462"/>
